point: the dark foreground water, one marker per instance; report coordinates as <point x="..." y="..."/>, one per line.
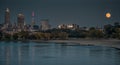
<point x="31" y="53"/>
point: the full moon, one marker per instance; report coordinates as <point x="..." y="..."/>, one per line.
<point x="108" y="15"/>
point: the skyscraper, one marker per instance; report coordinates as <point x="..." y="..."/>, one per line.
<point x="20" y="20"/>
<point x="7" y="17"/>
<point x="44" y="24"/>
<point x="33" y="19"/>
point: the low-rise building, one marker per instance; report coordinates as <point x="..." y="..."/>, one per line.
<point x="68" y="26"/>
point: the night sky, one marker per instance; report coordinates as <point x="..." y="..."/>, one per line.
<point x="82" y="12"/>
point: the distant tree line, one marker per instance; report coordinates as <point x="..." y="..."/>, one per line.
<point x="109" y="31"/>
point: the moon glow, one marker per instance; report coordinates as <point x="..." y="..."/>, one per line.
<point x="108" y="15"/>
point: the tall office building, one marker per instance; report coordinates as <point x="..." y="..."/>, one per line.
<point x="7" y="17"/>
<point x="45" y="24"/>
<point x="20" y="21"/>
<point x="33" y="19"/>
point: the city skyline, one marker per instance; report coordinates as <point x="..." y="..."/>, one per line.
<point x="83" y="12"/>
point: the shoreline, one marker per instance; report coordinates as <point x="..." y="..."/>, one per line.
<point x="114" y="43"/>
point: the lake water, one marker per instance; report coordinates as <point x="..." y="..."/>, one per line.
<point x="32" y="53"/>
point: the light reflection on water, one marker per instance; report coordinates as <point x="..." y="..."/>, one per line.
<point x="31" y="53"/>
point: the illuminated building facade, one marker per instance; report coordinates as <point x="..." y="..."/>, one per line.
<point x="7" y="17"/>
<point x="33" y="19"/>
<point x="45" y="24"/>
<point x="68" y="26"/>
<point x="20" y="21"/>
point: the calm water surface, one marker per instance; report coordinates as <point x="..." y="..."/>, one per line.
<point x="31" y="53"/>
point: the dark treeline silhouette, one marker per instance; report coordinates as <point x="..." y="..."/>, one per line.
<point x="109" y="31"/>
